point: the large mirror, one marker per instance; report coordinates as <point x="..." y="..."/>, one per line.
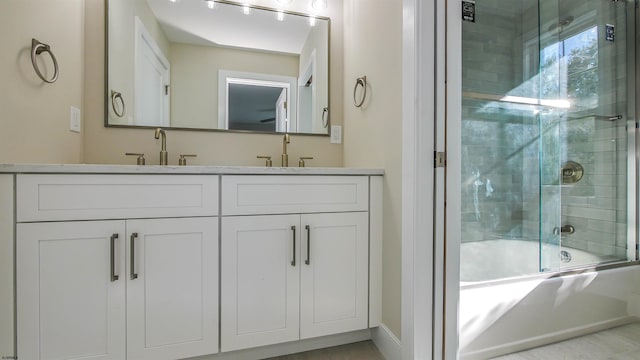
<point x="216" y="65"/>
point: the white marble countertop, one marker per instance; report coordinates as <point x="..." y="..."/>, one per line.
<point x="157" y="169"/>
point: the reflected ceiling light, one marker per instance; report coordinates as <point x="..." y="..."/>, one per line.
<point x="210" y="4"/>
<point x="319" y="4"/>
<point x="312" y="21"/>
<point x="555" y="103"/>
<point x="280" y="15"/>
<point x="246" y="9"/>
<point x="173" y="1"/>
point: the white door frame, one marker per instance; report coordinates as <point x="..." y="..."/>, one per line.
<point x="429" y="308"/>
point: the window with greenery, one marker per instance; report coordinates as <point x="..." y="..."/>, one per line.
<point x="569" y="70"/>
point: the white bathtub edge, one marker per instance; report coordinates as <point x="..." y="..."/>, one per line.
<point x="634" y="305"/>
<point x="546" y="339"/>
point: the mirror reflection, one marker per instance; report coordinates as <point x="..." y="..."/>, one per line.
<point x="216" y="65"/>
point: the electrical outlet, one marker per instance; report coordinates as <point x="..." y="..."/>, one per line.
<point x="74" y="120"/>
<point x="336" y="134"/>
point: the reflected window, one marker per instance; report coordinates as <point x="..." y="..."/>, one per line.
<point x="569" y="69"/>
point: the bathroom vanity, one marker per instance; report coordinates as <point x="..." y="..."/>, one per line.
<point x="135" y="262"/>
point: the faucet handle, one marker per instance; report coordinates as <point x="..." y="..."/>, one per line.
<point x="183" y="159"/>
<point x="302" y="159"/>
<point x="268" y="162"/>
<point x="141" y="159"/>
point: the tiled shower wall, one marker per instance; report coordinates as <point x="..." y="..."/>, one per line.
<point x="497" y="138"/>
<point x="502" y="143"/>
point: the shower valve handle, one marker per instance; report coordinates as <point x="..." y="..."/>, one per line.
<point x="566" y="229"/>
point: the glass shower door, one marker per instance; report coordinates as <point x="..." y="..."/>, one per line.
<point x="546" y="88"/>
<point x="583" y="138"/>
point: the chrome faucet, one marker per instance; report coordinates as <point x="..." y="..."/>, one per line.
<point x="164" y="156"/>
<point x="285" y="157"/>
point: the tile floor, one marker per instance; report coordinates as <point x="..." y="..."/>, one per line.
<point x="364" y="350"/>
<point x="621" y="343"/>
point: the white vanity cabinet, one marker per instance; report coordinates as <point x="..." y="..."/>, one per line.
<point x="117" y="289"/>
<point x="260" y="284"/>
<point x="334" y="273"/>
<point x="172" y="288"/>
<point x="295" y="258"/>
<point x="68" y="305"/>
<point x="186" y="262"/>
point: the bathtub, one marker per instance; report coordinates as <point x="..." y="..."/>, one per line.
<point x="503" y="316"/>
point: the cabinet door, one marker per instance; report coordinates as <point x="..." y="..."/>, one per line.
<point x="260" y="280"/>
<point x="334" y="273"/>
<point x="68" y="304"/>
<point x="172" y="288"/>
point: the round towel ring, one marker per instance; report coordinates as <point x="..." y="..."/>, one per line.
<point x="325" y="117"/>
<point x="38" y="48"/>
<point x="115" y="96"/>
<point x="361" y="81"/>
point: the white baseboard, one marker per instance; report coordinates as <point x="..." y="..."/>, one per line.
<point x="386" y="342"/>
<point x="291" y="347"/>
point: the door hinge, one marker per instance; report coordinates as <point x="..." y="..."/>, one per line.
<point x="440" y="159"/>
<point x="166" y="89"/>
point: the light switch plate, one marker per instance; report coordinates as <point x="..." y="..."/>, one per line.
<point x="336" y="134"/>
<point x="74" y="120"/>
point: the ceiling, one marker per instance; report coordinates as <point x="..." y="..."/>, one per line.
<point x="192" y="22"/>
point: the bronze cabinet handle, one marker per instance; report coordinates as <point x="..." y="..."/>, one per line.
<point x="308" y="261"/>
<point x="112" y="258"/>
<point x="132" y="271"/>
<point x="293" y="262"/>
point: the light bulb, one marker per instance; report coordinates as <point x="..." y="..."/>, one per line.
<point x="319" y="4"/>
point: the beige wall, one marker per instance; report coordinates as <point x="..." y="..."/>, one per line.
<point x="34" y="116"/>
<point x="194" y="78"/>
<point x="108" y="145"/>
<point x="373" y="133"/>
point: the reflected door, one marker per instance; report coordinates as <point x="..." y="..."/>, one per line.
<point x="151" y="81"/>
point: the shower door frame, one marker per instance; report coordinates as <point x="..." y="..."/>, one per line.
<point x="429" y="292"/>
